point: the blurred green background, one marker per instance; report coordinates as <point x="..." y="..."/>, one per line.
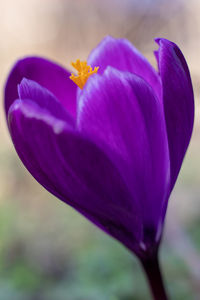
<point x="47" y="250"/>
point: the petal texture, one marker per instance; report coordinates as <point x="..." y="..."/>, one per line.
<point x="178" y="102"/>
<point x="46" y="73"/>
<point x="72" y="168"/>
<point x="120" y="112"/>
<point x="122" y="55"/>
<point x="31" y="90"/>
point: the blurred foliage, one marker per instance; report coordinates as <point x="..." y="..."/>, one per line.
<point x="98" y="268"/>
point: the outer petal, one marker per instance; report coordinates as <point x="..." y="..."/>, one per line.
<point x="122" y="55"/>
<point x="120" y="112"/>
<point x="31" y="90"/>
<point x="74" y="170"/>
<point x="46" y="73"/>
<point x="178" y="102"/>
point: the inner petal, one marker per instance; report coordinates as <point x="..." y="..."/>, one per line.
<point x="46" y="73"/>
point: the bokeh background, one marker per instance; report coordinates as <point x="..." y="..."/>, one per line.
<point x="47" y="250"/>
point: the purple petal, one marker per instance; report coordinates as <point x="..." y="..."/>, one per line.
<point x="46" y="73"/>
<point x="31" y="90"/>
<point x="122" y="55"/>
<point x="74" y="170"/>
<point x="120" y="112"/>
<point x="178" y="102"/>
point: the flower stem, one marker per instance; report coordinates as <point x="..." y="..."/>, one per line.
<point x="154" y="277"/>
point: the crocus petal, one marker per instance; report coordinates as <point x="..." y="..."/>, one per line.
<point x="122" y="55"/>
<point x="46" y="73"/>
<point x="178" y="102"/>
<point x="72" y="168"/>
<point x="31" y="90"/>
<point x="120" y="112"/>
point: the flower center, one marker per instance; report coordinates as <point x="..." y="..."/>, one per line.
<point x="84" y="72"/>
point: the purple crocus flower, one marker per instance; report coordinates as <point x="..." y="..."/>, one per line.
<point x="113" y="149"/>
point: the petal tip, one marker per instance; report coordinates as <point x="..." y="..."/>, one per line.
<point x="157" y="40"/>
<point x="160" y="40"/>
<point x="164" y="41"/>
